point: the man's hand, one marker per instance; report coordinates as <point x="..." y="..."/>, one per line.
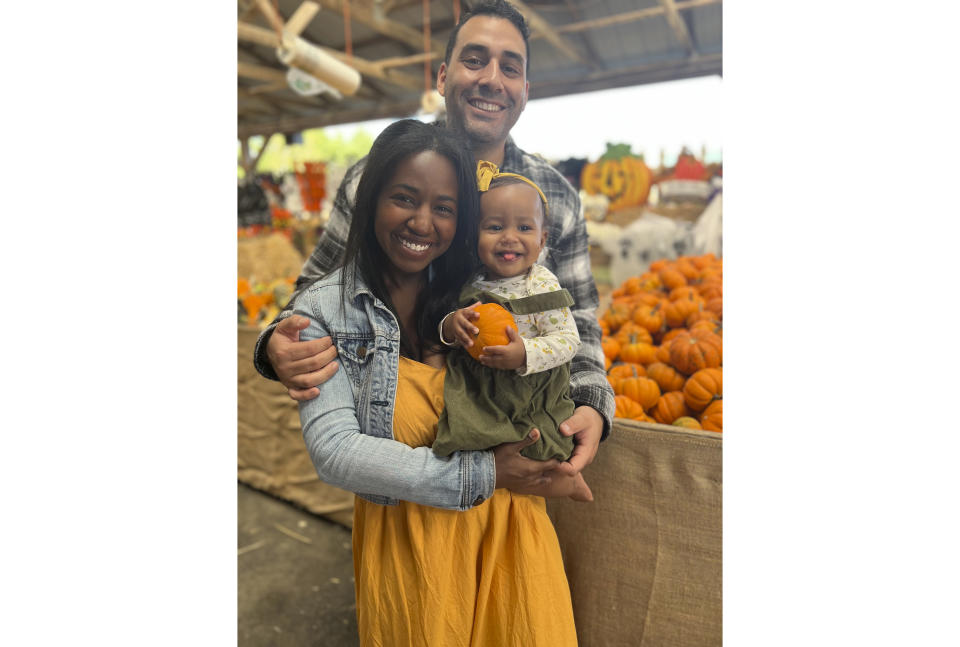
<point x="300" y="365"/>
<point x="520" y="474"/>
<point x="586" y="427"/>
<point x="509" y="356"/>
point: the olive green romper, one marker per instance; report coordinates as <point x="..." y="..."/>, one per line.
<point x="486" y="406"/>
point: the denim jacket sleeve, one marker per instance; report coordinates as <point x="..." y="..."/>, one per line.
<point x="379" y="468"/>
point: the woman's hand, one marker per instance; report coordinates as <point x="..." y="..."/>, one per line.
<point x="518" y="473"/>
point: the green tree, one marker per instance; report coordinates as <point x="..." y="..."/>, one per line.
<point x="318" y="146"/>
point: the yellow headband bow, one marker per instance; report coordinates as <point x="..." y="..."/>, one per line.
<point x="488" y="171"/>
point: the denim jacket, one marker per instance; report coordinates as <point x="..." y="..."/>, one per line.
<point x="348" y="428"/>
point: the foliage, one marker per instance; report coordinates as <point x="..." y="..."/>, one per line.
<point x="318" y="146"/>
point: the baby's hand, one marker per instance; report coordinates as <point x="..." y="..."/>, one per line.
<point x="509" y="356"/>
<point x="459" y="328"/>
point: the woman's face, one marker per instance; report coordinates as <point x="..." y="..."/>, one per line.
<point x="417" y="213"/>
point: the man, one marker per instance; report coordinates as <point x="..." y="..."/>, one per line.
<point x="483" y="80"/>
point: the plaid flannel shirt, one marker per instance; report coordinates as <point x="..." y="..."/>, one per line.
<point x="567" y="254"/>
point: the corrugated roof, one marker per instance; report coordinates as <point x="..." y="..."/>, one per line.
<point x="574" y="47"/>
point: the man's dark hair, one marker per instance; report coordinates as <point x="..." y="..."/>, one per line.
<point x="495" y="9"/>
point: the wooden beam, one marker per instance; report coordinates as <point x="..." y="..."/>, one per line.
<point x="271" y="14"/>
<point x="302" y="17"/>
<point x="678" y="26"/>
<point x="378" y="22"/>
<point x="289" y="99"/>
<point x="630" y="16"/>
<point x="587" y="46"/>
<point x="541" y="26"/>
<point x="269" y="87"/>
<point x="373" y="69"/>
<point x="261" y="72"/>
<point x="400" y="61"/>
<point x="256" y="34"/>
<point x="246" y="9"/>
<point x="329" y="118"/>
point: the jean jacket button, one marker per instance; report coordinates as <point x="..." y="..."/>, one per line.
<point x="362" y="352"/>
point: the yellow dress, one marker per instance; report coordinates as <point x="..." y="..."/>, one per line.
<point x="491" y="576"/>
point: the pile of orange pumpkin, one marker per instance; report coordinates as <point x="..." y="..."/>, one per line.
<point x="663" y="343"/>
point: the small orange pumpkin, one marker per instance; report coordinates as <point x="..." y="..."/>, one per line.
<point x="616" y="374"/>
<point x="649" y="316"/>
<point x="678" y="311"/>
<point x="715" y="305"/>
<point x="701" y="315"/>
<point x="493" y="322"/>
<point x="712" y="416"/>
<point x="689" y="353"/>
<point x="631" y="333"/>
<point x="638" y="352"/>
<point x="672" y="278"/>
<point x="626" y="408"/>
<point x="611" y="347"/>
<point x="625" y="369"/>
<point x="617" y="314"/>
<point x="642" y="389"/>
<point x="687" y="423"/>
<point x="665" y="376"/>
<point x="703" y="387"/>
<point x="704" y="327"/>
<point x="669" y="407"/>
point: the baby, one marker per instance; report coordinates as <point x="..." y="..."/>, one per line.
<point x="524" y="384"/>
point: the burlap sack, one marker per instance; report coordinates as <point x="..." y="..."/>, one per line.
<point x="644" y="559"/>
<point x="271" y="455"/>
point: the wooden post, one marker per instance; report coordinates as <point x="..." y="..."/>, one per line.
<point x="245" y="155"/>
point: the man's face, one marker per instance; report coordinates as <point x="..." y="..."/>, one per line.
<point x="485" y="85"/>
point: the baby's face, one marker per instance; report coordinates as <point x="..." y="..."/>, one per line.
<point x="512" y="232"/>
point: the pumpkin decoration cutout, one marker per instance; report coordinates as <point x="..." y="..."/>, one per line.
<point x="620" y="175"/>
<point x="493" y="322"/>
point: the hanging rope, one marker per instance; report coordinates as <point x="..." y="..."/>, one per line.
<point x="346" y="29"/>
<point x="427" y="72"/>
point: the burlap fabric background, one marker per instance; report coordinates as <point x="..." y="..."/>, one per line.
<point x="270" y="452"/>
<point x="643" y="560"/>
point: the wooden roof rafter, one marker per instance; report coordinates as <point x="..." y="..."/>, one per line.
<point x="263" y="36"/>
<point x="678" y="26"/>
<point x="630" y="16"/>
<point x="375" y="18"/>
<point x="546" y="30"/>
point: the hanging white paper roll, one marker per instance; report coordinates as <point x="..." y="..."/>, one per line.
<point x="298" y="53"/>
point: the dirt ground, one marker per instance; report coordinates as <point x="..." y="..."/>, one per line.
<point x="294" y="576"/>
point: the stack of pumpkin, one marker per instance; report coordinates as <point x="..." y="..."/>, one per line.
<point x="663" y="342"/>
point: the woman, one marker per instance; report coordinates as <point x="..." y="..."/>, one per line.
<point x="447" y="551"/>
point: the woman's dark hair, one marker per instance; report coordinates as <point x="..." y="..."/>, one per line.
<point x="494" y="9"/>
<point x="450" y="271"/>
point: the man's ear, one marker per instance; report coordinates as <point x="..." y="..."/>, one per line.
<point x="442" y="78"/>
